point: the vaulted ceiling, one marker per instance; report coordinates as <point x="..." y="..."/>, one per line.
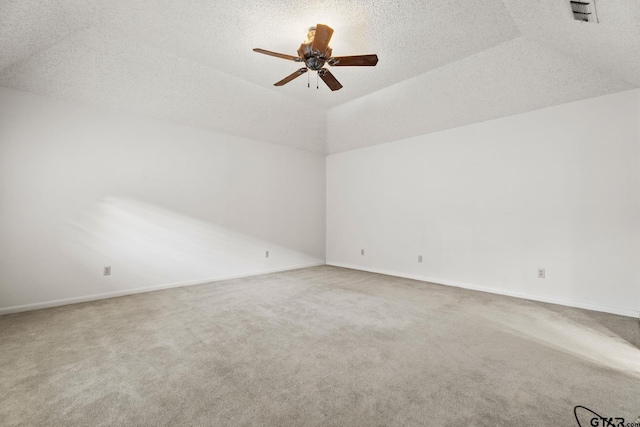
<point x="443" y="63"/>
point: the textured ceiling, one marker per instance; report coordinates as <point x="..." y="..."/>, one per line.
<point x="518" y="76"/>
<point x="440" y="61"/>
<point x="612" y="45"/>
<point x="122" y="75"/>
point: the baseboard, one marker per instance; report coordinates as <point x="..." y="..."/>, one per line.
<point x="106" y="295"/>
<point x="576" y="304"/>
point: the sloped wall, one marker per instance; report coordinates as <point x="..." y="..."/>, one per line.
<point x="488" y="204"/>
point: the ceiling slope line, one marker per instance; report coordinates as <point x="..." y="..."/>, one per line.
<point x="24" y="59"/>
<point x="515" y="77"/>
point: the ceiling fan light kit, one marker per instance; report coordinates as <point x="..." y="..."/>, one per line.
<point x="316" y="53"/>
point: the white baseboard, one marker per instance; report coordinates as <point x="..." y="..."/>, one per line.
<point x="576" y="304"/>
<point x="106" y="295"/>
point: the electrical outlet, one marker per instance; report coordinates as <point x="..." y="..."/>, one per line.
<point x="107" y="271"/>
<point x="541" y="273"/>
<point x="419" y="258"/>
<point x="266" y="254"/>
<point x="361" y="251"/>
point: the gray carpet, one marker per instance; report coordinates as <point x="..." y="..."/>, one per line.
<point x="321" y="346"/>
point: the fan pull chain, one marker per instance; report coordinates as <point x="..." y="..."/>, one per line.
<point x="308" y="80"/>
<point x="317" y="84"/>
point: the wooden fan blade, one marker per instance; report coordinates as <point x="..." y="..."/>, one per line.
<point x="290" y="77"/>
<point x="304" y="50"/>
<point x="329" y="79"/>
<point x="278" y="55"/>
<point x="357" y="61"/>
<point x="322" y="38"/>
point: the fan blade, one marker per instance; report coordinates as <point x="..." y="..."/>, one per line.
<point x="329" y="79"/>
<point x="322" y="38"/>
<point x="357" y="61"/>
<point x="290" y="77"/>
<point x="304" y="50"/>
<point x="278" y="55"/>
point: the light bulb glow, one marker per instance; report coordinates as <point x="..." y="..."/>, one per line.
<point x="310" y="35"/>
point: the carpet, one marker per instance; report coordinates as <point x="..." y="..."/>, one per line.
<point x="321" y="346"/>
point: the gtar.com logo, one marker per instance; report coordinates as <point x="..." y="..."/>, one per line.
<point x="588" y="418"/>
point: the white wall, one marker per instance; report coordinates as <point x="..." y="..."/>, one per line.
<point x="488" y="204"/>
<point x="161" y="204"/>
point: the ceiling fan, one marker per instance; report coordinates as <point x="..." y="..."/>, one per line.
<point x="315" y="53"/>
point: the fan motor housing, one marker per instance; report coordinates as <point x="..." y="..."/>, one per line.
<point x="315" y="62"/>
